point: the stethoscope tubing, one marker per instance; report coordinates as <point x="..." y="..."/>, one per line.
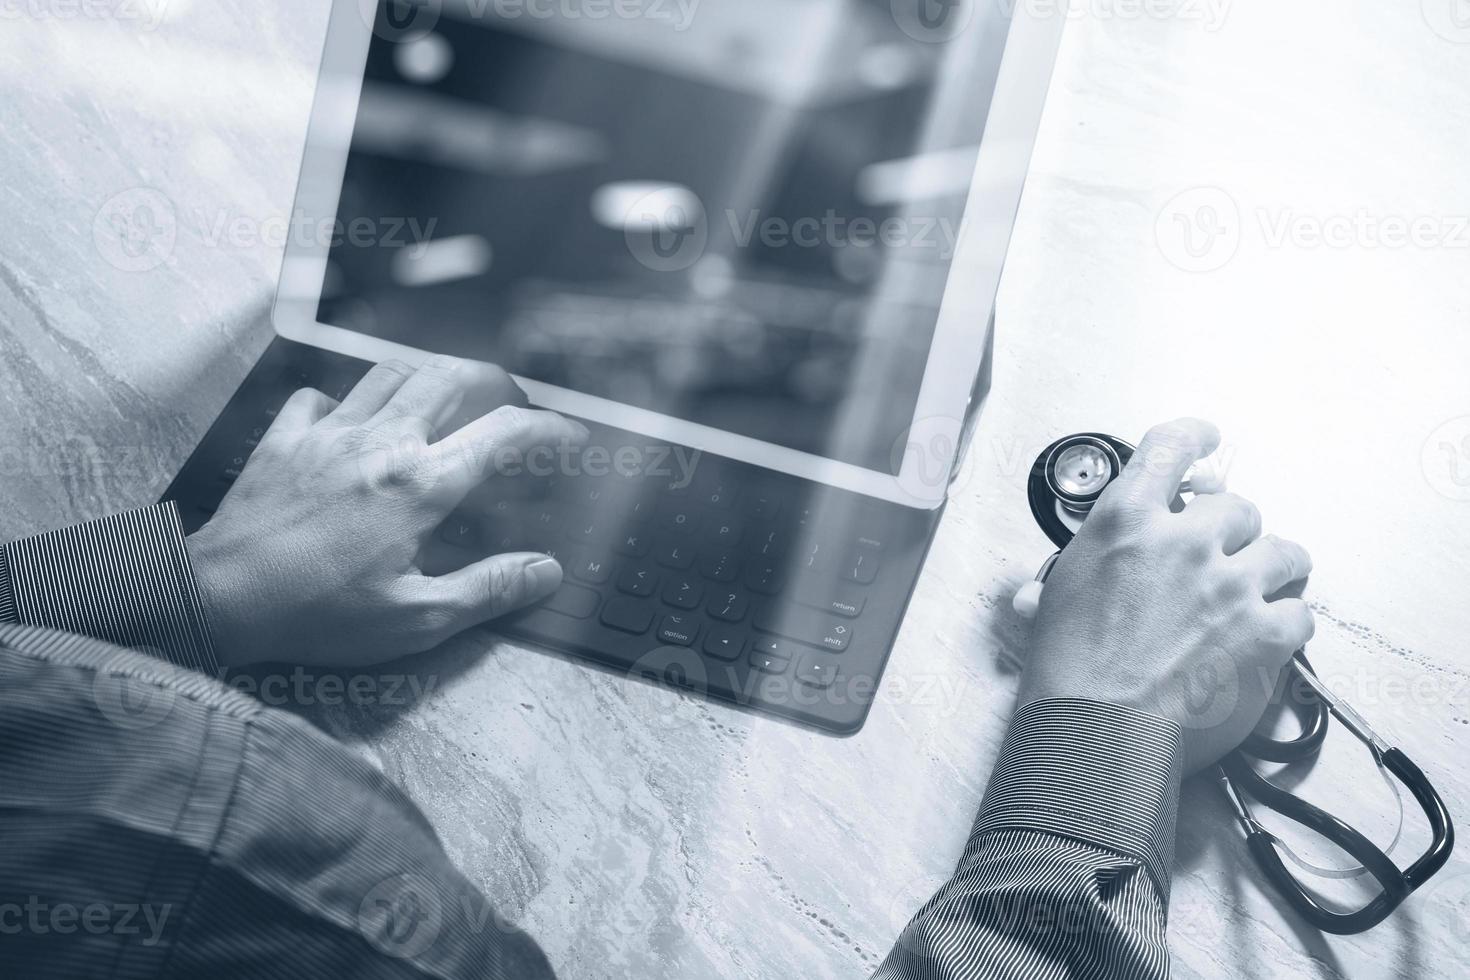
<point x="1313" y="705"/>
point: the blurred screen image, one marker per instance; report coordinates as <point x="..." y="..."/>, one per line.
<point x="742" y="215"/>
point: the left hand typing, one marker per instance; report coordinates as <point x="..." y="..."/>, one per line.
<point x="314" y="555"/>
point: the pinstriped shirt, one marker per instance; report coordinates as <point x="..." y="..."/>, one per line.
<point x="206" y="834"/>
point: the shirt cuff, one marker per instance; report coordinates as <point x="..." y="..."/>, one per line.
<point x="125" y="579"/>
<point x="1099" y="773"/>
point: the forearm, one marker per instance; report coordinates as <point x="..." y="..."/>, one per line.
<point x="1066" y="871"/>
<point x="126" y="579"/>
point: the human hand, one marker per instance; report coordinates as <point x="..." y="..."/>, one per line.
<point x="1190" y="615"/>
<point x="314" y="556"/>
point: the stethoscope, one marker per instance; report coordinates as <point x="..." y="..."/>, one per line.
<point x="1068" y="478"/>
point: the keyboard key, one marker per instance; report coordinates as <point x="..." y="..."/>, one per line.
<point x="723" y="532"/>
<point x="572" y="600"/>
<point x="675" y="552"/>
<point x="767" y="664"/>
<point x="764" y="577"/>
<point x="628" y="615"/>
<point x="762" y="506"/>
<point x="685" y="593"/>
<point x="817" y="670"/>
<point x="768" y="543"/>
<point x="806" y="626"/>
<point x="504" y="541"/>
<point x="639" y="580"/>
<point x="720" y="495"/>
<point x="679" y="518"/>
<point x="587" y="531"/>
<point x="770" y="646"/>
<point x="677" y="630"/>
<point x="861" y="566"/>
<point x="591" y="568"/>
<point x="460" y="533"/>
<point x="634" y="542"/>
<point x="834" y="600"/>
<point x="725" y="644"/>
<point x="728" y="606"/>
<point x="813" y="556"/>
<point x="721" y="567"/>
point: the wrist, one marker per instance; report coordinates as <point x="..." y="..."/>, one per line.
<point x="222" y="596"/>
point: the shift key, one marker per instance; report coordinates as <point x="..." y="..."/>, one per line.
<point x="818" y="629"/>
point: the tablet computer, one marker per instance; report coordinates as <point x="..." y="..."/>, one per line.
<point x="771" y="231"/>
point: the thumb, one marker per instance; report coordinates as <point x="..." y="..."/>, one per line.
<point x="495" y="586"/>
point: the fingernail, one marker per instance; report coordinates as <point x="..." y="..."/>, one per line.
<point x="545" y="575"/>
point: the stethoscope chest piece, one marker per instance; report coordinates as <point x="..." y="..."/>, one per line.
<point x="1067" y="480"/>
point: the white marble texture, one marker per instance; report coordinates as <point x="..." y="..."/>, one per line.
<point x="724" y="845"/>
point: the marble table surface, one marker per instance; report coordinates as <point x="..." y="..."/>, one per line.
<point x="1252" y="212"/>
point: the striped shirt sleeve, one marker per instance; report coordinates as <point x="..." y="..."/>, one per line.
<point x="125" y="579"/>
<point x="1066" y="873"/>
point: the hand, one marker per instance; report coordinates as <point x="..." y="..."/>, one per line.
<point x="1188" y="615"/>
<point x="314" y="556"/>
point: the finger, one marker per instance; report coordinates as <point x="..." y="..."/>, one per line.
<point x="1234" y="521"/>
<point x="370" y="394"/>
<point x="1163" y="457"/>
<point x="1274" y="563"/>
<point x="505" y="442"/>
<point x="491" y="588"/>
<point x="302" y="410"/>
<point x="434" y="393"/>
<point x="1291" y="626"/>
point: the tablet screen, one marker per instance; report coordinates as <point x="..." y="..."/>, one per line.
<point x="737" y="212"/>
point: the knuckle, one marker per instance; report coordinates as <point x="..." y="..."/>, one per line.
<point x="395" y="368"/>
<point x="506" y="587"/>
<point x="512" y="418"/>
<point x="442" y="366"/>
